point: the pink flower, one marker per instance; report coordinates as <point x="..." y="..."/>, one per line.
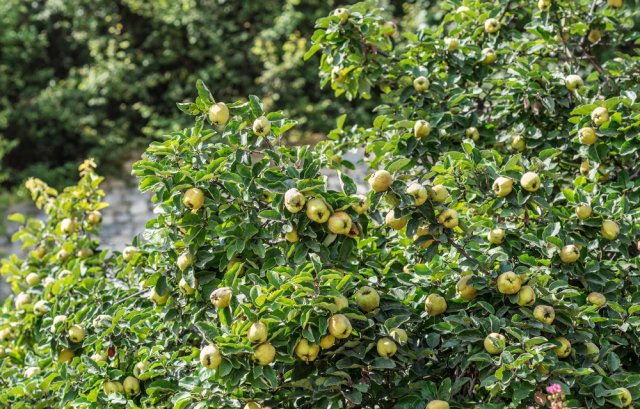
<point x="530" y="407"/>
<point x="554" y="389"/>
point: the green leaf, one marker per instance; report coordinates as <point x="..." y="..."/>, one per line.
<point x="255" y="105"/>
<point x="347" y="184"/>
<point x="312" y="50"/>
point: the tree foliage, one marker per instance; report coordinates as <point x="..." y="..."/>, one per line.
<point x="496" y="252"/>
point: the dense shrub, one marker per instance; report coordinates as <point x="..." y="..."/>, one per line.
<point x="493" y="263"/>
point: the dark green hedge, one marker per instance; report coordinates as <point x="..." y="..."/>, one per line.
<point x="99" y="78"/>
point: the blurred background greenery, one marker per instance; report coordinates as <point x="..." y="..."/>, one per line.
<point x="100" y="78"/>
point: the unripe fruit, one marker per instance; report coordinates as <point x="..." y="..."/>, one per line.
<point x="493" y="343"/>
<point x="261" y="126"/>
<point x="592" y="349"/>
<point x="185" y="260"/>
<point x="502" y="186"/>
<point x="569" y="254"/>
<point x="84" y="253"/>
<point x="264" y="353"/>
<point x="386" y="347"/>
<point x="519" y="144"/>
<point x="573" y="82"/>
<point x="526" y="296"/>
<point x="232" y="263"/>
<point x="472" y="133"/>
<point x="625" y="397"/>
<point x="210" y="357"/>
<point x="421" y="84"/>
<point x="317" y="210"/>
<point x="390" y="28"/>
<point x="419" y="193"/>
<point x="186" y="288"/>
<point x="62" y="255"/>
<point x="343" y="14"/>
<point x="40" y="308"/>
<point x="610" y="229"/>
<point x="496" y="236"/>
<point x="292" y="236"/>
<point x="219" y="114"/>
<point x="544" y="313"/>
<point x="465" y="290"/>
<point x="437" y="404"/>
<point x="131" y="386"/>
<point x="584" y="167"/>
<point x="59" y="319"/>
<point x="435" y="304"/>
<point x="306" y="351"/>
<point x="583" y="211"/>
<point x="380" y="181"/>
<point x="451" y="44"/>
<point x="221" y="297"/>
<point x="110" y="387"/>
<point x="594" y="35"/>
<point x="129" y="253"/>
<point x="438" y="193"/>
<point x="421" y="129"/>
<point x="294" y="200"/>
<point x="488" y="56"/>
<point x="193" y="198"/>
<point x="258" y="333"/>
<point x="252" y="405"/>
<point x="448" y="218"/>
<point x="327" y="341"/>
<point x="397" y="224"/>
<point x="7" y="334"/>
<point x="339" y="326"/>
<point x="339" y="223"/>
<point x="338" y="75"/>
<point x="597" y="299"/>
<point x="361" y="206"/>
<point x="22" y="301"/>
<point x="68" y="225"/>
<point x="587" y="136"/>
<point x="32" y="279"/>
<point x="564" y="350"/>
<point x="399" y="335"/>
<point x="65" y="355"/>
<point x="367" y="299"/>
<point x="76" y="334"/>
<point x="341" y="302"/>
<point x="509" y="283"/>
<point x="491" y="25"/>
<point x="564" y="37"/>
<point x="423" y="231"/>
<point x="544" y="5"/>
<point x="615" y="4"/>
<point x="530" y="181"/>
<point x="140" y="369"/>
<point x="160" y="299"/>
<point x="600" y="115"/>
<point x="94" y="217"/>
<point x="39" y="252"/>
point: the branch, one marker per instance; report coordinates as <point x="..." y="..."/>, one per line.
<point x="505" y="10"/>
<point x="462" y="251"/>
<point x="594" y="5"/>
<point x="133" y="295"/>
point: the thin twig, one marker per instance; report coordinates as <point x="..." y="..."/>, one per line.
<point x="504" y="11"/>
<point x="462" y="251"/>
<point x="133" y="295"/>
